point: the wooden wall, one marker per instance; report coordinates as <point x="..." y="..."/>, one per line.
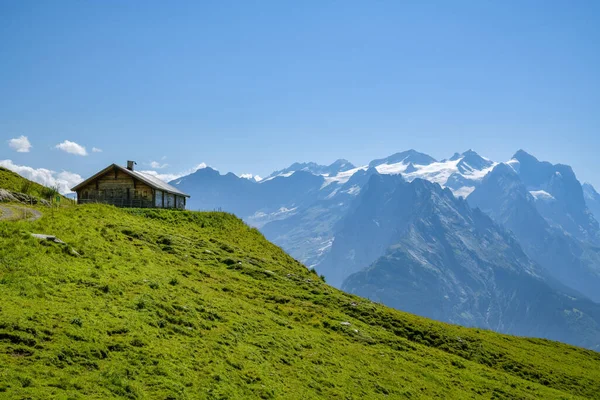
<point x="117" y="188"/>
<point x="122" y="190"/>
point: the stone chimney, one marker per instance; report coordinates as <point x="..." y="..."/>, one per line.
<point x="130" y="165"/>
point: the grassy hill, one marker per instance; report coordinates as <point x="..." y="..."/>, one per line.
<point x="157" y="304"/>
<point x="13" y="182"/>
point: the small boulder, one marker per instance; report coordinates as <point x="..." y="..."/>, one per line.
<point x="6" y="196"/>
<point x="50" y="238"/>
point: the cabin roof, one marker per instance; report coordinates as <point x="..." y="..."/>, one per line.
<point x="149" y="180"/>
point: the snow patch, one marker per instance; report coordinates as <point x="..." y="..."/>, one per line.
<point x="514" y="164"/>
<point x="251" y="177"/>
<point x="392" y="169"/>
<point x="342" y="177"/>
<point x="330" y="195"/>
<point x="437" y="172"/>
<point x="464" y="191"/>
<point x="326" y="246"/>
<point x="541" y="195"/>
<point x="261" y="218"/>
<point x="354" y="190"/>
<point x="285" y="175"/>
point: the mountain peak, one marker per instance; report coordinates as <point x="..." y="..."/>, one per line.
<point x="339" y="165"/>
<point x="408" y="156"/>
<point x="503" y="175"/>
<point x="207" y="171"/>
<point x="334" y="168"/>
<point x="341" y="162"/>
<point x="455" y="157"/>
<point x="504" y="169"/>
<point x="298" y="166"/>
<point x="522" y="155"/>
<point x="470" y="160"/>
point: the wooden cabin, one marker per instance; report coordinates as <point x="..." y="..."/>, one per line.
<point x="125" y="187"/>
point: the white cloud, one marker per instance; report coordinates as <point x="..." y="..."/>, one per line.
<point x="157" y="165"/>
<point x="72" y="148"/>
<point x="65" y="180"/>
<point x="20" y="144"/>
<point x="96" y="150"/>
<point x="69" y="177"/>
<point x="162" y="177"/>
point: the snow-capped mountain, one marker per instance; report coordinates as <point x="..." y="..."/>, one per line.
<point x="558" y="195"/>
<point x="300" y="190"/>
<point x="298" y="235"/>
<point x="431" y="254"/>
<point x="461" y="173"/>
<point x="573" y="262"/>
<point x="305" y="209"/>
<point x="405" y="157"/>
<point x="314" y="168"/>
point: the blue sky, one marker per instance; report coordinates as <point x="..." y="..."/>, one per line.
<point x="252" y="86"/>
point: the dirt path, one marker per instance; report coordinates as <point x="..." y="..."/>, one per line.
<point x="16" y="213"/>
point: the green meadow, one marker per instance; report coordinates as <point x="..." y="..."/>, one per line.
<point x="160" y="304"/>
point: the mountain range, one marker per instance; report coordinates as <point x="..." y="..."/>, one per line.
<point x="511" y="246"/>
<point x="431" y="254"/>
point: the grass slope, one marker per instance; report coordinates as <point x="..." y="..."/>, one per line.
<point x="14" y="182"/>
<point x="182" y="305"/>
